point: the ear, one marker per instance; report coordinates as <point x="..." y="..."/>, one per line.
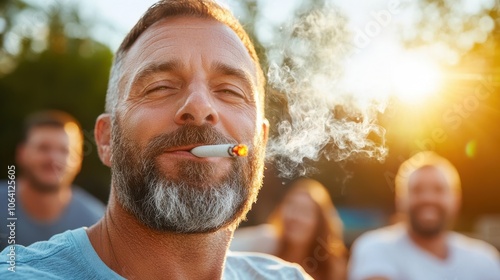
<point x="102" y="134"/>
<point x="265" y="131"/>
<point x="401" y="203"/>
<point x="457" y="203"/>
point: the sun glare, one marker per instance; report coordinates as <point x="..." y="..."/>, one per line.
<point x="410" y="76"/>
<point x="414" y="79"/>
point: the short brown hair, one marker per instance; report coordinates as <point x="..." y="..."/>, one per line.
<point x="170" y="8"/>
<point x="47" y="118"/>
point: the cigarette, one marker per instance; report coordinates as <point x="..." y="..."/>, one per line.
<point x="223" y="150"/>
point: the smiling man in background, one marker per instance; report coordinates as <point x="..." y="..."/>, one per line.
<point x="428" y="194"/>
<point x="186" y="75"/>
<point x="48" y="159"/>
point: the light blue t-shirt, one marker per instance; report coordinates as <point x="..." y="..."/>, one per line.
<point x="70" y="255"/>
<point x="82" y="211"/>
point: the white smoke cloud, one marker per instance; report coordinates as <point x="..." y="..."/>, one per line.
<point x="324" y="120"/>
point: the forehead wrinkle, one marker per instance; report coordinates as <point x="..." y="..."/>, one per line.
<point x="156" y="67"/>
<point x="160" y="38"/>
<point x="235" y="40"/>
<point x="130" y="73"/>
<point x="228" y="70"/>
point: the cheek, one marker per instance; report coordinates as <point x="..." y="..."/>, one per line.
<point x="242" y="127"/>
<point x="402" y="204"/>
<point x="452" y="204"/>
<point x="297" y="216"/>
<point x="142" y="123"/>
<point x="36" y="158"/>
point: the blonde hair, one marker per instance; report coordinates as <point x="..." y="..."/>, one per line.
<point x="423" y="160"/>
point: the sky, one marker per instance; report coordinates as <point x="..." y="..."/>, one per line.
<point x="121" y="15"/>
<point x="117" y="17"/>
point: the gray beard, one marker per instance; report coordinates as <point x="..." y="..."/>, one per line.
<point x="194" y="203"/>
<point x="183" y="209"/>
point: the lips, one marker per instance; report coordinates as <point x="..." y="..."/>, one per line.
<point x="428" y="212"/>
<point x="186" y="148"/>
<point x="183" y="152"/>
<point x="53" y="168"/>
<point x="181" y="149"/>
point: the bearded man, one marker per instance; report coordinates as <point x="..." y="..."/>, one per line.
<point x="185" y="76"/>
<point x="428" y="195"/>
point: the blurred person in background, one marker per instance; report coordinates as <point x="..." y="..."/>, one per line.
<point x="48" y="158"/>
<point x="305" y="228"/>
<point x="428" y="194"/>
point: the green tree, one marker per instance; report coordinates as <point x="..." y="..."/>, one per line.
<point x="69" y="73"/>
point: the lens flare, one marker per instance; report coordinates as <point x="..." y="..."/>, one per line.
<point x="471" y="148"/>
<point x="414" y="79"/>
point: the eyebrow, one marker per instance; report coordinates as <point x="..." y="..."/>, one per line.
<point x="175" y="65"/>
<point x="153" y="68"/>
<point x="227" y="70"/>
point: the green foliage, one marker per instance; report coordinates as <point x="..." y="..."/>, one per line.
<point x="71" y="74"/>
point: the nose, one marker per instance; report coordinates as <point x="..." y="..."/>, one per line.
<point x="197" y="109"/>
<point x="429" y="195"/>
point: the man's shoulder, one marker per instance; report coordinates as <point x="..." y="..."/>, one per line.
<point x="38" y="259"/>
<point x="83" y="195"/>
<point x="261" y="238"/>
<point x="68" y="255"/>
<point x="376" y="253"/>
<point x="86" y="202"/>
<point x="473" y="247"/>
<point x="4" y="188"/>
<point x="246" y="265"/>
<point x="382" y="237"/>
<point x="4" y="191"/>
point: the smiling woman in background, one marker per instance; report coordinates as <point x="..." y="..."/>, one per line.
<point x="304" y="228"/>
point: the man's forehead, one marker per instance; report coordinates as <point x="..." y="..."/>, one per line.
<point x="46" y="132"/>
<point x="428" y="174"/>
<point x="197" y="33"/>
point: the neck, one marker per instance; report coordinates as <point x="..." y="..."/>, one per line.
<point x="436" y="245"/>
<point x="43" y="206"/>
<point x="137" y="252"/>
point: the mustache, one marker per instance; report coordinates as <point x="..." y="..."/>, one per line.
<point x="186" y="135"/>
<point x="419" y="207"/>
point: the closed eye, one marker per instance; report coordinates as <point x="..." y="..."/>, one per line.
<point x="232" y="92"/>
<point x="161" y="89"/>
<point x="231" y="96"/>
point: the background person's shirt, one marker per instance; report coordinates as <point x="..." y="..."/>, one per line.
<point x="262" y="238"/>
<point x="70" y="255"/>
<point x="389" y="252"/>
<point x="83" y="210"/>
